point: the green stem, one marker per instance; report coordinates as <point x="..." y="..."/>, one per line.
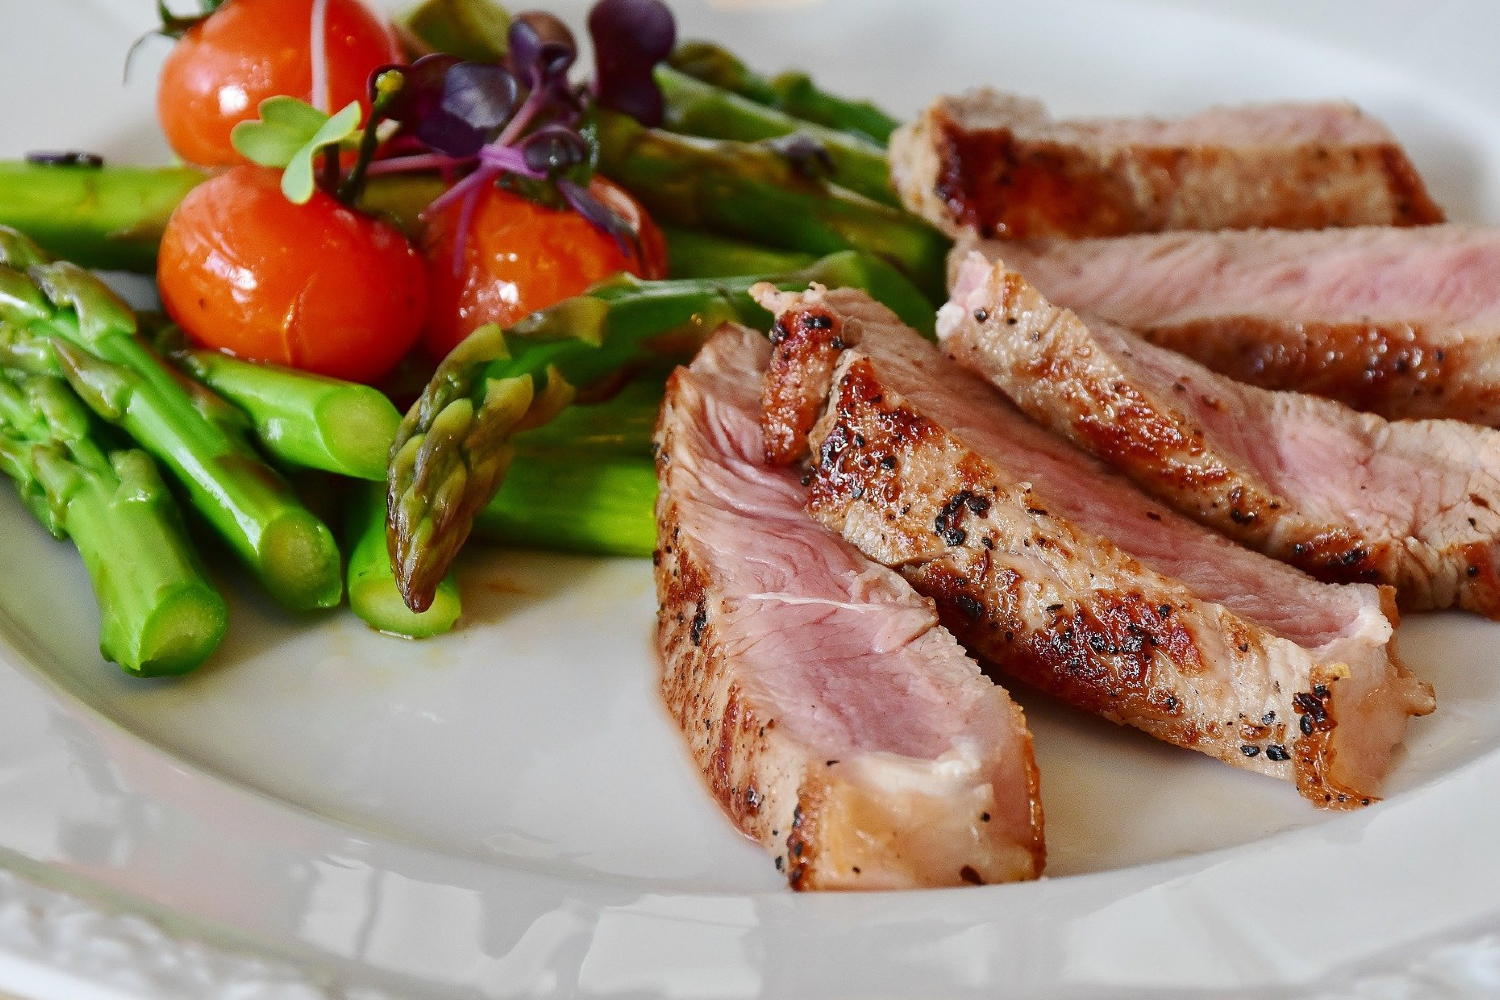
<point x="158" y="613"/>
<point x="303" y="419"/>
<point x="695" y="254"/>
<point x="702" y="109"/>
<point x="93" y="342"/>
<point x="598" y="504"/>
<point x="793" y="93"/>
<point x="752" y="193"/>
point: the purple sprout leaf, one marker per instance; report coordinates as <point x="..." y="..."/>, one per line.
<point x="420" y="93"/>
<point x="807" y="157"/>
<point x="477" y="99"/>
<point x="542" y="50"/>
<point x="630" y="38"/>
<point x="450" y="135"/>
<point x="450" y="106"/>
<point x="553" y="150"/>
<point x="601" y="217"/>
<point x="481" y="94"/>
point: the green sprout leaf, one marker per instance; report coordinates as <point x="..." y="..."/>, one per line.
<point x="285" y="126"/>
<point x="290" y="134"/>
<point x="297" y="182"/>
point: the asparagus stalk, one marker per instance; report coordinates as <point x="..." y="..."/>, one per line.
<point x="620" y="426"/>
<point x="753" y="193"/>
<point x="72" y="323"/>
<point x="793" y="93"/>
<point x="702" y="109"/>
<point x="456" y="441"/>
<point x="584" y="482"/>
<point x="303" y="419"/>
<point x="694" y="254"/>
<point x="107" y="217"/>
<point x="158" y="614"/>
<point x="476" y="30"/>
<point x="600" y="505"/>
<point x="373" y="594"/>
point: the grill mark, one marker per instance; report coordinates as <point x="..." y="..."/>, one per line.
<point x="1011" y="187"/>
<point x="1101" y="650"/>
<point x="1401" y="371"/>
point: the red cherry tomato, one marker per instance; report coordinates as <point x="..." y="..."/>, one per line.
<point x="317" y="286"/>
<point x="521" y="256"/>
<point x="220" y="70"/>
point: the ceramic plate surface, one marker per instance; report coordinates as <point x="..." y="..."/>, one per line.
<point x="508" y="811"/>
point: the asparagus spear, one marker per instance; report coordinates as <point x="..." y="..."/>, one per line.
<point x="749" y="192"/>
<point x="303" y="419"/>
<point x="694" y="254"/>
<point x="158" y="614"/>
<point x="794" y="93"/>
<point x="697" y="108"/>
<point x="109" y="217"/>
<point x="475" y="30"/>
<point x="583" y="482"/>
<point x="66" y="320"/>
<point x="455" y="443"/>
<point x="601" y="505"/>
<point x="620" y="426"/>
<point x="373" y="594"/>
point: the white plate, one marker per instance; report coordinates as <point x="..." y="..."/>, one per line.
<point x="507" y="811"/>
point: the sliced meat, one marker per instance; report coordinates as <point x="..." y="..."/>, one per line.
<point x="1066" y="576"/>
<point x="836" y="721"/>
<point x="1400" y="322"/>
<point x="1347" y="496"/>
<point x="998" y="165"/>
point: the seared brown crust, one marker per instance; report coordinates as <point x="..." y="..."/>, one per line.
<point x="802" y="358"/>
<point x="1102" y="631"/>
<point x="727" y="741"/>
<point x="1056" y="368"/>
<point x="990" y="180"/>
<point x="1391" y="369"/>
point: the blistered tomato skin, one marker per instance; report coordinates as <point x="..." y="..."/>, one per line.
<point x="521" y="256"/>
<point x="317" y="286"/>
<point x="219" y="71"/>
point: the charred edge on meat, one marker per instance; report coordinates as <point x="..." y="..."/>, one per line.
<point x="805" y="347"/>
<point x="1373" y="367"/>
<point x="1008" y="188"/>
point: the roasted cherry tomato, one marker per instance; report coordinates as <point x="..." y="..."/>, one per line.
<point x="248" y="50"/>
<point x="317" y="286"/>
<point x="520" y="256"/>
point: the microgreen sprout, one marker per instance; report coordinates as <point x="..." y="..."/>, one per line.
<point x="524" y="124"/>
